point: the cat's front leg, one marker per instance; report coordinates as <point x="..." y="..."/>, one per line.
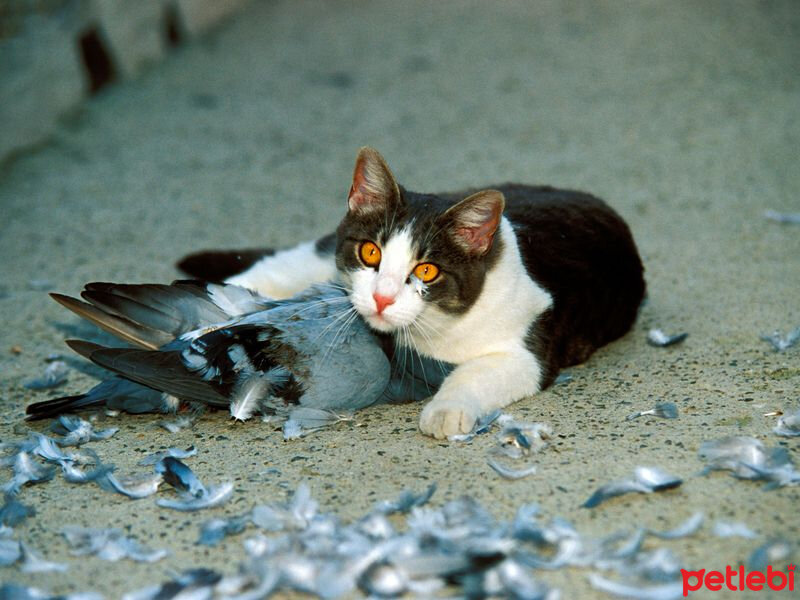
<point x="477" y="387"/>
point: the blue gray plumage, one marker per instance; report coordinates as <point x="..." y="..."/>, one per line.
<point x="226" y="347"/>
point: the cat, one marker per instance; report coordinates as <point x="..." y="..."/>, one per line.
<point x="509" y="284"/>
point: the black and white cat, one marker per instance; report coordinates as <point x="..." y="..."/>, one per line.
<point x="509" y="284"/>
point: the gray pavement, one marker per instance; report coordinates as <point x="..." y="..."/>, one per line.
<point x="683" y="115"/>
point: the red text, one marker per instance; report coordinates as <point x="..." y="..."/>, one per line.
<point x="737" y="579"/>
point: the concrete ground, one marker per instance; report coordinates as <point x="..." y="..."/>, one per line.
<point x="683" y="115"/>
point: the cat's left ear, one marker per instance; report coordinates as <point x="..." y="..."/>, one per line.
<point x="474" y="221"/>
<point x="374" y="188"/>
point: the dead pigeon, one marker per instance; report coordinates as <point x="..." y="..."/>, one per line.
<point x="225" y="347"/>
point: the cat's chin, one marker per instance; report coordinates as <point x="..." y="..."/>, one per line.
<point x="381" y="324"/>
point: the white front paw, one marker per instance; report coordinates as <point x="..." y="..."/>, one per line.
<point x="444" y="416"/>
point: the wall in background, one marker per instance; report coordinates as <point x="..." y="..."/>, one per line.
<point x="56" y="53"/>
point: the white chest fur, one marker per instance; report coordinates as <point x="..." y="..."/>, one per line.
<point x="499" y="319"/>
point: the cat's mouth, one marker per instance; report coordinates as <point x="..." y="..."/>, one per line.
<point x="381" y="322"/>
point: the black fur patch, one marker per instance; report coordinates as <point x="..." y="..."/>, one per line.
<point x="581" y="251"/>
<point x="326" y="245"/>
<point x="215" y="266"/>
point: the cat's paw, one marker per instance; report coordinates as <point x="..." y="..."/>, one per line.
<point x="443" y="417"/>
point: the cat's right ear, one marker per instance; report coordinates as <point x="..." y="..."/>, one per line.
<point x="374" y="188"/>
<point x="473" y="222"/>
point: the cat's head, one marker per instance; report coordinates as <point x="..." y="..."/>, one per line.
<point x="403" y="254"/>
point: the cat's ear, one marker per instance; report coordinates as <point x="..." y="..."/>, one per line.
<point x="474" y="221"/>
<point x="374" y="188"/>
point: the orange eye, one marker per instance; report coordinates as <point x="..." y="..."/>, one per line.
<point x="426" y="272"/>
<point x="370" y="254"/>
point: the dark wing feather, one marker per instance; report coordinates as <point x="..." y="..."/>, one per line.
<point x="173" y="309"/>
<point x="139" y="335"/>
<point x="116" y="393"/>
<point x="57" y="406"/>
<point x="162" y="371"/>
<point x="137" y="311"/>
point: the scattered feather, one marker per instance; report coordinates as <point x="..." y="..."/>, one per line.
<point x="785" y="218"/>
<point x="77" y="431"/>
<point x="194" y="584"/>
<point x="176" y="425"/>
<point x="563" y="378"/>
<point x="152" y="459"/>
<point x="316" y="418"/>
<point x="214" y="531"/>
<point x="73" y="474"/>
<point x="26" y="470"/>
<point x="664" y="410"/>
<point x="180" y="476"/>
<point x="482" y="425"/>
<point x="13" y="512"/>
<point x="405" y="502"/>
<point x="108" y="544"/>
<point x="214" y="495"/>
<point x="666" y="591"/>
<point x="292" y="430"/>
<point x="775" y="551"/>
<point x="732" y="529"/>
<point x="656" y="337"/>
<point x="733" y="454"/>
<point x="13" y="591"/>
<point x="294" y="515"/>
<point x="645" y="480"/>
<point x="10" y="552"/>
<point x="33" y="563"/>
<point x="747" y="458"/>
<point x="509" y="473"/>
<point x="781" y="343"/>
<point x="688" y="527"/>
<point x="134" y="487"/>
<point x="48" y="449"/>
<point x="54" y="375"/>
<point x="788" y="425"/>
<point x="517" y="439"/>
<point x="304" y="420"/>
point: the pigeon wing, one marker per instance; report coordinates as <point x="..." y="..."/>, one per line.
<point x="159" y="370"/>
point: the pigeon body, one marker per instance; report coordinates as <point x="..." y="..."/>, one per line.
<point x="226" y="347"/>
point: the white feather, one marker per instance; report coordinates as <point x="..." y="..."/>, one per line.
<point x="248" y="396"/>
<point x="233" y="299"/>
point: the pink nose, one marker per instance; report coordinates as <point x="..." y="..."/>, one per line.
<point x="382" y="302"/>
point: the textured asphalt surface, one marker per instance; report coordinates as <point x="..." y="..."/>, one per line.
<point x="683" y="115"/>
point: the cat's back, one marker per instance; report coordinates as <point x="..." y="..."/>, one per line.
<point x="582" y="251"/>
<point x="567" y="237"/>
<point x="567" y="229"/>
<point x="528" y="205"/>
